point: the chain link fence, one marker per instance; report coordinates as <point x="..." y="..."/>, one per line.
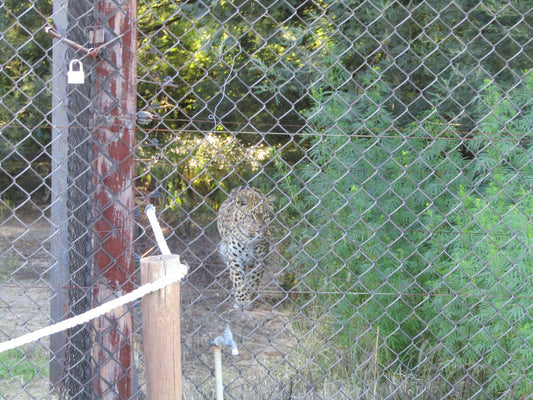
<point x="396" y="138"/>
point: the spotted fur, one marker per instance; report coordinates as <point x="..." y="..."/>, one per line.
<point x="243" y="220"/>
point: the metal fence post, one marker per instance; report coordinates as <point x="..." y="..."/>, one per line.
<point x="59" y="245"/>
<point x="79" y="110"/>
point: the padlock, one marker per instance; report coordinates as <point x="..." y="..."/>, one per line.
<point x="73" y="76"/>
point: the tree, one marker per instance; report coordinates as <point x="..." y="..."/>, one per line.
<point x="208" y="58"/>
<point x="25" y="97"/>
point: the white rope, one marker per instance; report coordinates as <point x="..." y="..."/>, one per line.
<point x="158" y="233"/>
<point x="172" y="276"/>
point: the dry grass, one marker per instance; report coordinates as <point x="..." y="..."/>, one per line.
<point x="285" y="353"/>
<point x="300" y="363"/>
<point x="309" y="367"/>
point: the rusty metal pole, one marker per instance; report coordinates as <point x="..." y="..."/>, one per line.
<point x="114" y="136"/>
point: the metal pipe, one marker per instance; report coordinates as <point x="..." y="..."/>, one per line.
<point x="218" y="372"/>
<point x="226" y="339"/>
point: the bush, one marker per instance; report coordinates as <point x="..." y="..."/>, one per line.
<point x="485" y="259"/>
<point x="418" y="236"/>
<point x="367" y="188"/>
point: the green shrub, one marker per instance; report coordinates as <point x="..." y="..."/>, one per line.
<point x="420" y="235"/>
<point x="486" y="261"/>
<point x="367" y="188"/>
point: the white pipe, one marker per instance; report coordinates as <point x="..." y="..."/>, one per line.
<point x="218" y="372"/>
<point x="225" y="340"/>
<point x="158" y="233"/>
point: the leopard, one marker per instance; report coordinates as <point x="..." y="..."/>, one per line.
<point x="243" y="224"/>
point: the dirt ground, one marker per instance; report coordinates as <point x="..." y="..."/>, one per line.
<point x="263" y="334"/>
<point x="25" y="299"/>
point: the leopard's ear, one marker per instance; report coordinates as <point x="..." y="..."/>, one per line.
<point x="271" y="199"/>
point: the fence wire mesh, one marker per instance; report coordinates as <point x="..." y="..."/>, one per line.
<point x="394" y="136"/>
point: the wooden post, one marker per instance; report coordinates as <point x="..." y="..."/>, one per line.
<point x="161" y="330"/>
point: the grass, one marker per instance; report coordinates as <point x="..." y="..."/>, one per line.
<point x="23" y="366"/>
<point x="5" y="207"/>
<point x="320" y="367"/>
<point x="24" y="374"/>
<point x="315" y="365"/>
<point x="8" y="265"/>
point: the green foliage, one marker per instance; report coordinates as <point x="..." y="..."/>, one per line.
<point x="189" y="171"/>
<point x="487" y="268"/>
<point x="25" y="96"/>
<point x="210" y="57"/>
<point x="254" y="63"/>
<point x="25" y="68"/>
<point x="367" y="185"/>
<point x="486" y="259"/>
<point x="415" y="232"/>
<point x="433" y="55"/>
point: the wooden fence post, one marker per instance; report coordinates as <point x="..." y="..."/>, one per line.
<point x="161" y="330"/>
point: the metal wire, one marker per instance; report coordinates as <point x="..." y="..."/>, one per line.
<point x="395" y="137"/>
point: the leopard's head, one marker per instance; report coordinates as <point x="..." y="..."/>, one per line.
<point x="246" y="211"/>
<point x="251" y="205"/>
